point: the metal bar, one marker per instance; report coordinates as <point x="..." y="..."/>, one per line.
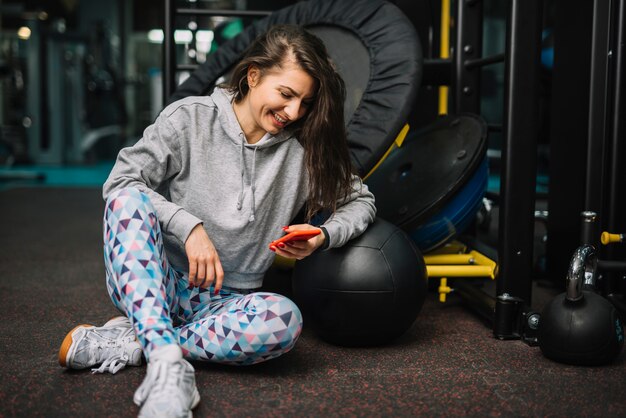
<point x="589" y="228"/>
<point x="608" y="265"/>
<point x="437" y="72"/>
<point x="617" y="201"/>
<point x="444" y="53"/>
<point x="186" y="67"/>
<point x="459" y="271"/>
<point x="466" y="93"/>
<point x="444" y="259"/>
<point x="598" y="101"/>
<point x="34" y="93"/>
<point x="222" y="12"/>
<point x="519" y="160"/>
<point x="473" y="258"/>
<point x="569" y="124"/>
<point x="481" y="62"/>
<point x="169" y="51"/>
<point x="617" y="149"/>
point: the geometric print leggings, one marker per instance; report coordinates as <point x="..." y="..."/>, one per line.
<point x="229" y="328"/>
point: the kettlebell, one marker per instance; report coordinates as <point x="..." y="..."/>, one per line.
<point x="579" y="326"/>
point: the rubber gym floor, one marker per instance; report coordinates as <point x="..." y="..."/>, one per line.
<point x="448" y="364"/>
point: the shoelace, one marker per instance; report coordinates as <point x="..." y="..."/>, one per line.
<point x="160" y="380"/>
<point x="113" y="364"/>
<point x="116" y="361"/>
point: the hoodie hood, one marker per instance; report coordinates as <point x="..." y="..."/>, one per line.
<point x="223" y="99"/>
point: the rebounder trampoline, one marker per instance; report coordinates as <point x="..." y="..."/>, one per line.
<point x="378" y="54"/>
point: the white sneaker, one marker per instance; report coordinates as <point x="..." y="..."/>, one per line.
<point x="168" y="390"/>
<point x="112" y="345"/>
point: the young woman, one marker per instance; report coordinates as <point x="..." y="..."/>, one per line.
<point x="193" y="205"/>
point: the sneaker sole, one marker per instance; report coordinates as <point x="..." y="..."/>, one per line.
<point x="66" y="345"/>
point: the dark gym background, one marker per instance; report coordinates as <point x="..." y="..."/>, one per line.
<point x="79" y="79"/>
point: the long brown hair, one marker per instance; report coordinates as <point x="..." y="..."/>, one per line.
<point x="321" y="131"/>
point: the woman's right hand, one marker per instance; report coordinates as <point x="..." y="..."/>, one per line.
<point x="204" y="262"/>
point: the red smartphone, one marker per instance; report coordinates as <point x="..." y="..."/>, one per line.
<point x="299" y="235"/>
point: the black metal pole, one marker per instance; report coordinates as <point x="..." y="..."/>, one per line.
<point x="519" y="161"/>
<point x="618" y="140"/>
<point x="617" y="202"/>
<point x="469" y="45"/>
<point x="569" y="124"/>
<point x="481" y="62"/>
<point x="169" y="51"/>
<point x="437" y="72"/>
<point x="589" y="229"/>
<point x="598" y="101"/>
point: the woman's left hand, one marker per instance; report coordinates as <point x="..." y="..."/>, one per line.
<point x="300" y="249"/>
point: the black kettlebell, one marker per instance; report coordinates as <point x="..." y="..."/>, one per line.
<point x="579" y="326"/>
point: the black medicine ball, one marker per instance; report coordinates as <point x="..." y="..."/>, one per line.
<point x="368" y="292"/>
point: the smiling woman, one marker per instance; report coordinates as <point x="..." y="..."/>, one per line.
<point x="193" y="205"/>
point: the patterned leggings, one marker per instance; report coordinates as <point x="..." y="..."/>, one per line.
<point x="230" y="327"/>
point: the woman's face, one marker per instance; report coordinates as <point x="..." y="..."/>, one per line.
<point x="279" y="98"/>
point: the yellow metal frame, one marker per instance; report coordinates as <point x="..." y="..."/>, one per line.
<point x="444" y="52"/>
<point x="453" y="260"/>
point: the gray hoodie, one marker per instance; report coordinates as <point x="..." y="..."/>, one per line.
<point x="197" y="167"/>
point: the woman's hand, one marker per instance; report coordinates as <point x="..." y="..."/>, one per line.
<point x="300" y="249"/>
<point x="204" y="263"/>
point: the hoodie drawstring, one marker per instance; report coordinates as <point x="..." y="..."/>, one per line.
<point x="252" y="180"/>
<point x="241" y="164"/>
<point x="253" y="184"/>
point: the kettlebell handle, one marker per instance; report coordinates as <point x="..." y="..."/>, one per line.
<point x="582" y="271"/>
